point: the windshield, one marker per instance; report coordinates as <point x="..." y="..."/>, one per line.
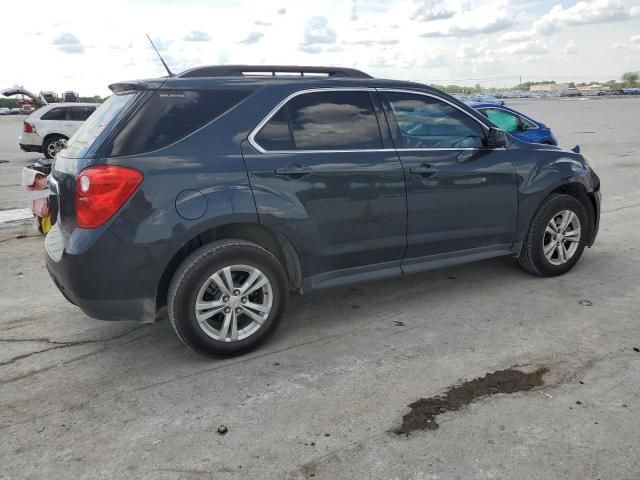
<point x="80" y="143"/>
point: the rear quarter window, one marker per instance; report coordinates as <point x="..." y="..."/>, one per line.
<point x="169" y="116"/>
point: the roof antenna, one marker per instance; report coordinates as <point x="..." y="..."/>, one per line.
<point x="160" y="56"/>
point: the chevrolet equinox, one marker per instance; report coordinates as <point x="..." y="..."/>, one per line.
<point x="213" y="194"/>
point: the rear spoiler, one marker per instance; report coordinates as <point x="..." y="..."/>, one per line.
<point x="137" y="85"/>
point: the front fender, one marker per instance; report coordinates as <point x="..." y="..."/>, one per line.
<point x="542" y="171"/>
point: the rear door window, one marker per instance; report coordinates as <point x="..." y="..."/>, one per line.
<point x="338" y="120"/>
<point x="56" y="114"/>
<point x="169" y="116"/>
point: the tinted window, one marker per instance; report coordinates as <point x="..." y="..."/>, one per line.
<point x="426" y="122"/>
<point x="56" y="114"/>
<point x="505" y="120"/>
<point x="81" y="113"/>
<point x="169" y="116"/>
<point x="81" y="142"/>
<point x="334" y="121"/>
<point x="275" y="135"/>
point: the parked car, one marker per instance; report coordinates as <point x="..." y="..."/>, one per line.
<point x="70" y="97"/>
<point x="26" y="108"/>
<point x="489" y="99"/>
<point x="516" y="123"/>
<point x="5" y="111"/>
<point x="44" y="127"/>
<point x="15" y="111"/>
<point x="51" y="97"/>
<point x="217" y="192"/>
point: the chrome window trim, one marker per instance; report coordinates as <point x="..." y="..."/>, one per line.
<point x="265" y="120"/>
<point x="437" y="97"/>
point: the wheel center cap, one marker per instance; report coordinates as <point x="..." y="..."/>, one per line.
<point x="234" y="301"/>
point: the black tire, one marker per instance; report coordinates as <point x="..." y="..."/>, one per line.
<point x="50" y="141"/>
<point x="197" y="268"/>
<point x="532" y="257"/>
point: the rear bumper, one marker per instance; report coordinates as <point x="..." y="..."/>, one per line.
<point x="106" y="279"/>
<point x="25" y="147"/>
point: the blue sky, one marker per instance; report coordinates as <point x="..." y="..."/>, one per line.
<point x="492" y="42"/>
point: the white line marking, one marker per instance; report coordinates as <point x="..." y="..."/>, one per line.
<point x="15" y="214"/>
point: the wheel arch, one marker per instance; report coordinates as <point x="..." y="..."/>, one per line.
<point x="574" y="189"/>
<point x="579" y="191"/>
<point x="274" y="242"/>
<point x="54" y="134"/>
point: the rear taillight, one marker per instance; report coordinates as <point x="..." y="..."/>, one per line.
<point x="28" y="128"/>
<point x="101" y="191"/>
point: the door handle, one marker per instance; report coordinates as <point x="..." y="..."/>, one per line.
<point x="293" y="170"/>
<point x="424" y="170"/>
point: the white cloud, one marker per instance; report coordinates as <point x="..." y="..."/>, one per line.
<point x="635" y="39"/>
<point x="66" y="38"/>
<point x="370" y="43"/>
<point x="318" y="31"/>
<point x="71" y="48"/>
<point x="582" y="13"/>
<point x="571" y="48"/>
<point x="253" y="37"/>
<point x="68" y="43"/>
<point x="495" y="17"/>
<point x="484" y="25"/>
<point x="429" y="10"/>
<point x="197" y="36"/>
<point x="529" y="48"/>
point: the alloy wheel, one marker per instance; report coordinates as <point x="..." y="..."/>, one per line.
<point x="233" y="303"/>
<point x="561" y="237"/>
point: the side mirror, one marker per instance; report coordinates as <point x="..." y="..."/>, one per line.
<point x="496" y="138"/>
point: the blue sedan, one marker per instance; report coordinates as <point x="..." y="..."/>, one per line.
<point x="517" y="124"/>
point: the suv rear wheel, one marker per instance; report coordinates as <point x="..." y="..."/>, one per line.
<point x="227" y="297"/>
<point x="556" y="237"/>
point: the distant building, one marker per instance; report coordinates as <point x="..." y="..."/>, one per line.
<point x="549" y="87"/>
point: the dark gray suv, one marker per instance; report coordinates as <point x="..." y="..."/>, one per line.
<point x="217" y="192"/>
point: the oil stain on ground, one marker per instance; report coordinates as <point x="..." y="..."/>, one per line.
<point x="423" y="412"/>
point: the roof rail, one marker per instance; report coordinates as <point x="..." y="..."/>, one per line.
<point x="273" y="70"/>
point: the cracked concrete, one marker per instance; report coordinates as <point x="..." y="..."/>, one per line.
<point x="80" y="398"/>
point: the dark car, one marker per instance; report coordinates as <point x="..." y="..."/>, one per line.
<point x="516" y="123"/>
<point x="217" y="192"/>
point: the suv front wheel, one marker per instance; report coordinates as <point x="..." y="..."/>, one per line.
<point x="227" y="297"/>
<point x="556" y="237"/>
